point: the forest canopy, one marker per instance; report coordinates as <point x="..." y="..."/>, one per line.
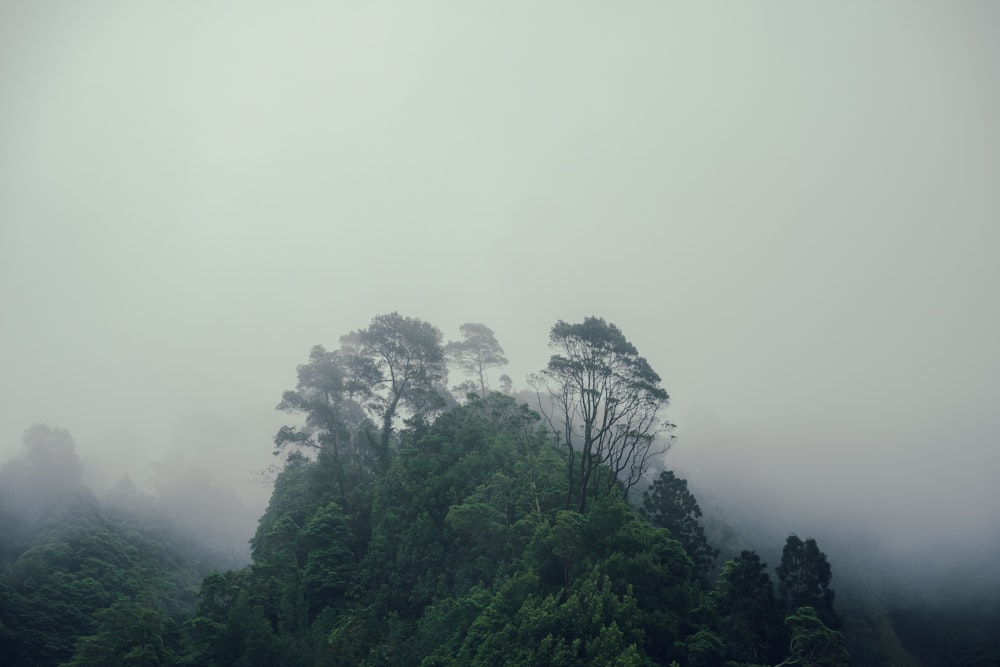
<point x="413" y="524"/>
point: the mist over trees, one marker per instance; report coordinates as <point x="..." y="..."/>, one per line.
<point x="75" y="567"/>
<point x="474" y="355"/>
<point x="668" y="504"/>
<point x="406" y="527"/>
<point x="607" y="402"/>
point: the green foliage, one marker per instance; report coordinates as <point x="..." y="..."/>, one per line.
<point x="705" y="649"/>
<point x="607" y="401"/>
<point x="804" y="579"/>
<point x="396" y="364"/>
<point x="477" y="352"/>
<point x="745" y="611"/>
<point x="128" y="633"/>
<point x="470" y="559"/>
<point x="329" y="560"/>
<point x="668" y="504"/>
<point x="813" y="644"/>
<point x="399" y="533"/>
<point x="639" y="560"/>
<point x="330" y="397"/>
<point x="460" y="500"/>
<point x="587" y="624"/>
<point x="82" y="568"/>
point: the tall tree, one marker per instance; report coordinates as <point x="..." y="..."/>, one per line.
<point x="746" y="612"/>
<point x="804" y="579"/>
<point x="607" y="402"/>
<point x="400" y="363"/>
<point x="668" y="504"/>
<point x="46" y="476"/>
<point x="477" y="352"/>
<point x="328" y="395"/>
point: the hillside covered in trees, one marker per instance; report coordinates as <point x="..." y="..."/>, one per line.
<point x="416" y="524"/>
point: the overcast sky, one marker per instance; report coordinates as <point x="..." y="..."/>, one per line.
<point x="792" y="210"/>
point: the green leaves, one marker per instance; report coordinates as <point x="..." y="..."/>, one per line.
<point x="668" y="504"/>
<point x="813" y="644"/>
<point x="804" y="579"/>
<point x="746" y="612"/>
<point x="475" y="354"/>
<point x="607" y="401"/>
<point x="111" y="579"/>
<point x="588" y="625"/>
<point x="128" y="633"/>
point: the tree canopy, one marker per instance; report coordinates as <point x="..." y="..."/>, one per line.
<point x="804" y="579"/>
<point x="406" y="530"/>
<point x="395" y="364"/>
<point x="607" y="402"/>
<point x="668" y="504"/>
<point x="475" y="354"/>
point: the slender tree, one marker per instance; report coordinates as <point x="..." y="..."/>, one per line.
<point x="400" y="363"/>
<point x="328" y="398"/>
<point x="607" y="402"/>
<point x="475" y="354"/>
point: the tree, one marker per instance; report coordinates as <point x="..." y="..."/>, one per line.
<point x="397" y="362"/>
<point x="813" y="644"/>
<point x="587" y="623"/>
<point x="477" y="352"/>
<point x="328" y="395"/>
<point x="607" y="402"/>
<point x="668" y="504"/>
<point x="46" y="475"/>
<point x="326" y="539"/>
<point x="746" y="613"/>
<point x="38" y="485"/>
<point x="51" y="457"/>
<point x="128" y="633"/>
<point x="804" y="579"/>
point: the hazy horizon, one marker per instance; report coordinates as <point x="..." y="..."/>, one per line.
<point x="794" y="214"/>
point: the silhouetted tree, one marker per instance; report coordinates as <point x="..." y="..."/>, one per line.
<point x="668" y="504"/>
<point x="607" y="401"/>
<point x="335" y="423"/>
<point x="746" y="612"/>
<point x="804" y="579"/>
<point x="396" y="363"/>
<point x="46" y="476"/>
<point x="477" y="352"/>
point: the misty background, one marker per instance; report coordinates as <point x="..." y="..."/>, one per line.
<point x="793" y="212"/>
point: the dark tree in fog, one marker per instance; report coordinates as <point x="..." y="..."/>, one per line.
<point x="804" y="579"/>
<point x="328" y="397"/>
<point x="746" y="612"/>
<point x="668" y="504"/>
<point x="477" y="352"/>
<point x="46" y="474"/>
<point x="397" y="362"/>
<point x="606" y="401"/>
<point x="50" y="457"/>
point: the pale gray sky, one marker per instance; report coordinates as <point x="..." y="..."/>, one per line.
<point x="793" y="211"/>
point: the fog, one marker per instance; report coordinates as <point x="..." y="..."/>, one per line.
<point x="794" y="214"/>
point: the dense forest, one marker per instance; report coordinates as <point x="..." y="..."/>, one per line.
<point x="416" y="523"/>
